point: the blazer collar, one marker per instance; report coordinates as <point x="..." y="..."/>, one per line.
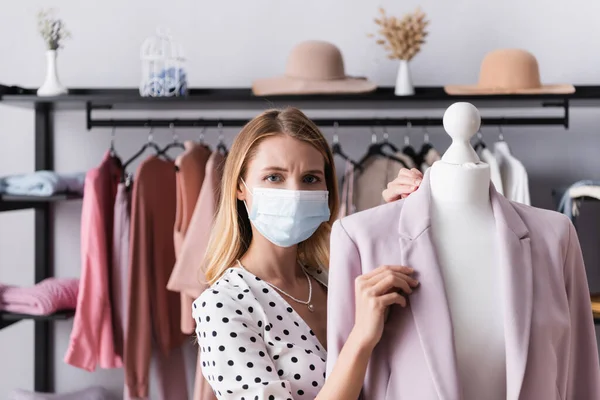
<point x="416" y="214"/>
<point x="429" y="304"/>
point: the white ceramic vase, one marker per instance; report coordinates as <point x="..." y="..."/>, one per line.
<point x="404" y="86"/>
<point x="52" y="85"/>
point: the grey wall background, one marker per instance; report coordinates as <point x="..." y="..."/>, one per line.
<point x="229" y="43"/>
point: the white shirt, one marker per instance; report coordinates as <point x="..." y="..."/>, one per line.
<point x="488" y="158"/>
<point x="253" y="344"/>
<point x="514" y="175"/>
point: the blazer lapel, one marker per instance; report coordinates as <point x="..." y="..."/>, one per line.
<point x="516" y="270"/>
<point x="428" y="303"/>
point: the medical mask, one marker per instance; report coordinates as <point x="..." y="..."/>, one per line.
<point x="287" y="217"/>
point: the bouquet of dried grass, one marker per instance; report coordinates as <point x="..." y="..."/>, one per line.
<point x="52" y="29"/>
<point x="402" y="38"/>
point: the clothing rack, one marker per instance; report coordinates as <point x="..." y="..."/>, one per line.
<point x="382" y="96"/>
<point x="89" y="100"/>
<point x="342" y="123"/>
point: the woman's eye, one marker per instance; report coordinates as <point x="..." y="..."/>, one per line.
<point x="273" y="178"/>
<point x="311" y="179"/>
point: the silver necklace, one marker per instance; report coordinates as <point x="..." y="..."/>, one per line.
<point x="307" y="303"/>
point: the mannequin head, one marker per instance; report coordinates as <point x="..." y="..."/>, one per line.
<point x="461" y="122"/>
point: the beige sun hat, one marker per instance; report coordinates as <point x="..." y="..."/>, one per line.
<point x="313" y="67"/>
<point x="509" y="71"/>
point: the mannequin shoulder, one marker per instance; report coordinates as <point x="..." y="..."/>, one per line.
<point x="372" y="221"/>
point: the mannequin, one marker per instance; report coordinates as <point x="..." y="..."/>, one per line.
<point x="466" y="242"/>
<point x="502" y="310"/>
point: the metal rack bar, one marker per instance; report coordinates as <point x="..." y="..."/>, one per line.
<point x="561" y="120"/>
<point x="43" y="335"/>
<point x="342" y="122"/>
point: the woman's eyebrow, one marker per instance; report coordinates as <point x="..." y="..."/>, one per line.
<point x="314" y="172"/>
<point x="280" y="169"/>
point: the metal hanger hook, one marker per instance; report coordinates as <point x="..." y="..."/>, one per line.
<point x="373" y="136"/>
<point x="201" y="135"/>
<point x="336" y="139"/>
<point x="113" y="136"/>
<point x="407" y="134"/>
<point x="174" y="133"/>
<point x="220" y="128"/>
<point x="501" y="132"/>
<point x="150" y="135"/>
<point x="425" y="134"/>
<point x="386" y="136"/>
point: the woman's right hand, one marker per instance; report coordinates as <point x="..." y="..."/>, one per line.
<point x="407" y="181"/>
<point x="375" y="292"/>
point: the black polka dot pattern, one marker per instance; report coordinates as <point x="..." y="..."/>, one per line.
<point x="254" y="344"/>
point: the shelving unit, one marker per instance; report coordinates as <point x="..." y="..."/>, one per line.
<point x="7" y="319"/>
<point x="115" y="99"/>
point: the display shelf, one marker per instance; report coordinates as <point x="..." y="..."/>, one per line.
<point x="8" y="318"/>
<point x="17" y="202"/>
<point x="236" y="98"/>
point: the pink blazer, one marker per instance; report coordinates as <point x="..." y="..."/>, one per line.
<point x="551" y="350"/>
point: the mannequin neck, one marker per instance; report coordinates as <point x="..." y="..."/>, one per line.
<point x="460" y="188"/>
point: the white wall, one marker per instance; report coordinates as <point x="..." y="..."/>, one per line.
<point x="229" y="43"/>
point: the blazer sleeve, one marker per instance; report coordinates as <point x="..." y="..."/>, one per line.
<point x="583" y="376"/>
<point x="344" y="268"/>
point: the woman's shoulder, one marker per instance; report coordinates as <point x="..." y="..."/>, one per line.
<point x="223" y="295"/>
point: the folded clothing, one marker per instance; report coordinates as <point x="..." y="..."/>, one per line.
<point x="567" y="206"/>
<point x="47" y="297"/>
<point x="42" y="183"/>
<point x="92" y="393"/>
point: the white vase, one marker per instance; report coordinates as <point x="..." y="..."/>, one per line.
<point x="404" y="86"/>
<point x="52" y="85"/>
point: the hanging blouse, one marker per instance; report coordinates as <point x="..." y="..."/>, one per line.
<point x="347" y="202"/>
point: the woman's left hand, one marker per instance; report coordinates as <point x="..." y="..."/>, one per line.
<point x="407" y="181"/>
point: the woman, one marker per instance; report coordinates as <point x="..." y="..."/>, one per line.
<point x="262" y="324"/>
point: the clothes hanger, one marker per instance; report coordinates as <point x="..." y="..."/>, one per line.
<point x="376" y="149"/>
<point x="221" y="144"/>
<point x="150" y="144"/>
<point x="386" y="142"/>
<point x="479" y="144"/>
<point x="175" y="144"/>
<point x="336" y="149"/>
<point x="111" y="150"/>
<point x="408" y="149"/>
<point x="501" y="144"/>
<point x="426" y="146"/>
<point x="200" y="139"/>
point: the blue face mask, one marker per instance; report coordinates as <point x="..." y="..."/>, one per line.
<point x="288" y="217"/>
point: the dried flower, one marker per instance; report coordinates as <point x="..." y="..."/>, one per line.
<point x="402" y="38"/>
<point x="52" y="29"/>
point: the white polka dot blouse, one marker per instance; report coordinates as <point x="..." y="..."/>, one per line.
<point x="254" y="346"/>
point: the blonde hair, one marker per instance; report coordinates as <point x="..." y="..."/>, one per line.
<point x="231" y="233"/>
